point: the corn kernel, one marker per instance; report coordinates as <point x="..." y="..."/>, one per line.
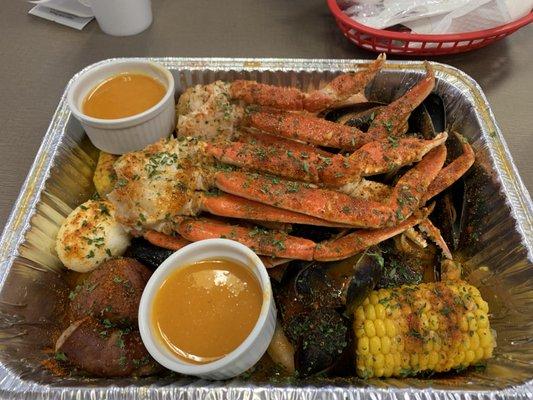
<point x="379" y="361"/>
<point x="389" y="369"/>
<point x="385" y="345"/>
<point x="487" y="352"/>
<point x="380" y="311"/>
<point x="359" y="314"/>
<point x="390" y="328"/>
<point x="370" y="312"/>
<point x="463" y="324"/>
<point x="400" y="343"/>
<point x="474" y="341"/>
<point x="369" y="361"/>
<point x="379" y="372"/>
<point x="359" y="333"/>
<point x="482" y="320"/>
<point x="472" y="324"/>
<point x="379" y="327"/>
<point x="373" y="298"/>
<point x="433" y="359"/>
<point x="370" y="329"/>
<point x="483" y="306"/>
<point x="414" y="361"/>
<point x="474" y="291"/>
<point x="406" y="360"/>
<point x="366" y="301"/>
<point x="423" y="360"/>
<point x="469" y="356"/>
<point x="459" y="358"/>
<point x="480" y="352"/>
<point x="363" y="345"/>
<point x="397" y="360"/>
<point x="375" y="345"/>
<point x="485" y="338"/>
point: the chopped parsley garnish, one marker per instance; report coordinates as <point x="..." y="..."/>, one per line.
<point x="103" y="209"/>
<point x="158" y="160"/>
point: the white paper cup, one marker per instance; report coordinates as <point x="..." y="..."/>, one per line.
<point x="122" y="135"/>
<point x="121" y="17"/>
<point x="254" y="346"/>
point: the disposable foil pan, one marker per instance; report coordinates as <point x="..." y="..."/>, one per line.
<point x="498" y="260"/>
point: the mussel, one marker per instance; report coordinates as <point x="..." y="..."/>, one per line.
<point x="317" y="301"/>
<point x="429" y="118"/>
<point x="146" y="253"/>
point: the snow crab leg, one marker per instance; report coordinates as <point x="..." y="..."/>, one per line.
<point x="304" y="163"/>
<point x="280" y="244"/>
<point x="357" y="241"/>
<point x="335" y="93"/>
<point x="388" y="122"/>
<point x="335" y="206"/>
<point x="262" y="241"/>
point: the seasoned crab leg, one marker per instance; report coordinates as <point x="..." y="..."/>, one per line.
<point x="227" y="205"/>
<point x="388" y="122"/>
<point x="335" y="93"/>
<point x="300" y="162"/>
<point x="262" y="241"/>
<point x="310" y="129"/>
<point x="453" y="171"/>
<point x="280" y="244"/>
<point x="165" y="241"/>
<point x="334" y="206"/>
<point x="357" y="241"/>
<point x="171" y="242"/>
<point x="391" y="118"/>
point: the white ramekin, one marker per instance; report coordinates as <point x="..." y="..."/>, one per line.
<point x="253" y="347"/>
<point x="119" y="136"/>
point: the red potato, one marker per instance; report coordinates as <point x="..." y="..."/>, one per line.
<point x="105" y="351"/>
<point x="111" y="292"/>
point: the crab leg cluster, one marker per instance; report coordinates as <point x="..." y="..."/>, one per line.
<point x="273" y="165"/>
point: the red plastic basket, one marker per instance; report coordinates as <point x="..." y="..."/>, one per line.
<point x="406" y="43"/>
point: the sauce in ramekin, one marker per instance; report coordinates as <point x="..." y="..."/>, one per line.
<point x="122" y="96"/>
<point x="204" y="311"/>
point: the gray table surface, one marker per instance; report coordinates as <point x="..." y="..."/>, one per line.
<point x="37" y="58"/>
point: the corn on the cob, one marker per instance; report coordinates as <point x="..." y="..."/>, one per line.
<point x="434" y="326"/>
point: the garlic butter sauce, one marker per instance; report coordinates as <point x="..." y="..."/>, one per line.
<point x="205" y="310"/>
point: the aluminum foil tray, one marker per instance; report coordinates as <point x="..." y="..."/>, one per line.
<point x="498" y="255"/>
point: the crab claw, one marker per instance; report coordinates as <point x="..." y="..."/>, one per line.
<point x="344" y="89"/>
<point x="427" y="227"/>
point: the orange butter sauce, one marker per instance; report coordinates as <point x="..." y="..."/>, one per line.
<point x="205" y="310"/>
<point x="122" y="96"/>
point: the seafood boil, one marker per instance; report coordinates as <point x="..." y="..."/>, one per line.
<point x="334" y="192"/>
